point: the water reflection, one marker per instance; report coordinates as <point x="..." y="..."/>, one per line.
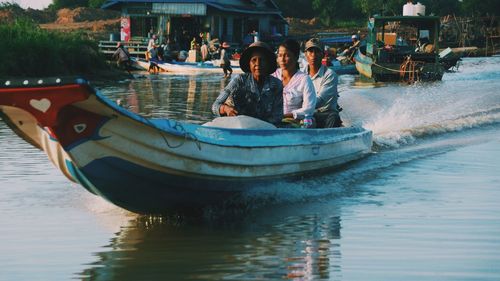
<point x="184" y="98"/>
<point x="274" y="244"/>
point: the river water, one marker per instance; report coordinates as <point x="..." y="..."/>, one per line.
<point x="424" y="206"/>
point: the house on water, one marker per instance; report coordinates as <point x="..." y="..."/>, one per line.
<point x="228" y="20"/>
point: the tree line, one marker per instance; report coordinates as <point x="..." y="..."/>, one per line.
<point x="331" y="12"/>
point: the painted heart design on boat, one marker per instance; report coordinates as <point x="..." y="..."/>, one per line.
<point x="80" y="127"/>
<point x="42" y="105"/>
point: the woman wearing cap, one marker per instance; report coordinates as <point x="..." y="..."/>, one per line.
<point x="254" y="93"/>
<point x="299" y="98"/>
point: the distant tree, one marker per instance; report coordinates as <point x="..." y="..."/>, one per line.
<point x="296" y="8"/>
<point x="481" y="7"/>
<point x="96" y="3"/>
<point x="59" y="4"/>
<point x="441" y="7"/>
<point x="373" y="7"/>
<point x="329" y="11"/>
<point x="9" y="5"/>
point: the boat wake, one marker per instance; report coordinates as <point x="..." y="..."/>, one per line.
<point x="395" y="136"/>
<point x="400" y="114"/>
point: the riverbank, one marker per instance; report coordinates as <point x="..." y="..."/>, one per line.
<point x="36" y="52"/>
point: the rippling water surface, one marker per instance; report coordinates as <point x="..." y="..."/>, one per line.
<point x="423" y="206"/>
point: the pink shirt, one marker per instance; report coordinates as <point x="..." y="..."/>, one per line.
<point x="299" y="97"/>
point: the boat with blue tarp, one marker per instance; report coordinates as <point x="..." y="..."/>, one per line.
<point x="401" y="48"/>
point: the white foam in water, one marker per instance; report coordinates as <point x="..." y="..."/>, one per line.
<point x="399" y="114"/>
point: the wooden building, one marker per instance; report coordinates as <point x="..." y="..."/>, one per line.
<point x="228" y="20"/>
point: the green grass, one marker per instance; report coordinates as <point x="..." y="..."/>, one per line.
<point x="29" y="51"/>
<point x="355" y="23"/>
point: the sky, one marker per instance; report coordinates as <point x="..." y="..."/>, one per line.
<point x="34" y="4"/>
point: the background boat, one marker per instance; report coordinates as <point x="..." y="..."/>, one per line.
<point x="401" y="48"/>
<point x="208" y="67"/>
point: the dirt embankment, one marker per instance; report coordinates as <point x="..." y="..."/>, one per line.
<point x="10" y="14"/>
<point x="308" y="27"/>
<point x="96" y="23"/>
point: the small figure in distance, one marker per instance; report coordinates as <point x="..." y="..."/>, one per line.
<point x="122" y="57"/>
<point x="349" y="52"/>
<point x="225" y="60"/>
<point x="154" y="61"/>
<point x="204" y="52"/>
<point x="254" y="93"/>
<point x="151" y="46"/>
<point x="325" y="82"/>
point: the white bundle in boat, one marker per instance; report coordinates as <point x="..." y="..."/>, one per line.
<point x="239" y="122"/>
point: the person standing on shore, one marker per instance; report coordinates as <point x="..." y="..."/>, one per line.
<point x="225" y="61"/>
<point x="325" y="83"/>
<point x="151" y="46"/>
<point x="122" y="57"/>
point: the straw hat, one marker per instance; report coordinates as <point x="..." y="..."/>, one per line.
<point x="265" y="49"/>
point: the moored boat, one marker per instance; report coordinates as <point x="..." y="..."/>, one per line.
<point x="401" y="48"/>
<point x="185" y="67"/>
<point x="344" y="66"/>
<point x="160" y="165"/>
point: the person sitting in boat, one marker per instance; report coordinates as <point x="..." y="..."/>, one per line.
<point x="299" y="98"/>
<point x="254" y="93"/>
<point x="325" y="82"/>
<point x="122" y="57"/>
<point x="424" y="45"/>
<point x="349" y="52"/>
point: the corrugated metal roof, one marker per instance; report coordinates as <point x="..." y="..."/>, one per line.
<point x="109" y="4"/>
<point x="197" y="9"/>
<point x="242" y="9"/>
<point x="246" y="8"/>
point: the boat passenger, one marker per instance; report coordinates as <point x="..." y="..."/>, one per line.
<point x="349" y="52"/>
<point x="254" y="93"/>
<point x="225" y="61"/>
<point x="325" y="82"/>
<point x="299" y="98"/>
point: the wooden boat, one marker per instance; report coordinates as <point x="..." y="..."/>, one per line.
<point x="392" y="52"/>
<point x="185" y="67"/>
<point x="160" y="165"/>
<point x="344" y="66"/>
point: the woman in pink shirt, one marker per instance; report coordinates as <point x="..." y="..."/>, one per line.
<point x="299" y="97"/>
